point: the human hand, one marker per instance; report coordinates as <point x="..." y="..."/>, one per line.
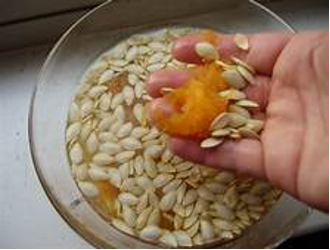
<point x="292" y="89"/>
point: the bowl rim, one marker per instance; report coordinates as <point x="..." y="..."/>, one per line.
<point x="74" y="224"/>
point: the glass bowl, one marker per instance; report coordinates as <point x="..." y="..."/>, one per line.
<point x="82" y="44"/>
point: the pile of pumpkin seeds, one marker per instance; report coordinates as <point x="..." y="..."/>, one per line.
<point x="237" y="122"/>
<point x="155" y="195"/>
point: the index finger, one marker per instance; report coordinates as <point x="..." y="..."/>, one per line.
<point x="264" y="49"/>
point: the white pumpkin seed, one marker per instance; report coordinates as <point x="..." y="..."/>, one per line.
<point x="206" y="51"/>
<point x="169" y="239"/>
<point x="145" y="183"/>
<point x="206" y="230"/>
<point x="92" y="143"/>
<point x="190" y="197"/>
<point x="116" y="126"/>
<point x="124" y="170"/>
<point x="162" y="179"/>
<point x="132" y="54"/>
<point x="168" y="201"/>
<point x="128" y="199"/>
<point x="128" y="93"/>
<point x="245" y="74"/>
<point x="154" y="151"/>
<point x="220" y="132"/>
<point x="119" y="113"/>
<point x="103" y="159"/>
<point x="255" y="125"/>
<point x="98" y="174"/>
<point x="248" y="133"/>
<point x="129" y="216"/>
<point x="122" y="226"/>
<point x="130" y="143"/>
<point x="243" y="64"/>
<point x="155" y="67"/>
<point x="154" y="218"/>
<point x="150" y="167"/>
<point x="117" y="100"/>
<point x="239" y="110"/>
<point x="105" y="102"/>
<point x="73" y="131"/>
<point x="181" y="192"/>
<point x="86" y="108"/>
<point x="173" y="185"/>
<point x="76" y="154"/>
<point x="153" y="134"/>
<point x="220" y="121"/>
<point x="189" y="221"/>
<point x="80" y="172"/>
<point x="201" y="206"/>
<point x="110" y="148"/>
<point x="138" y="112"/>
<point x="143" y="218"/>
<point x="125" y="156"/>
<point x="97" y="91"/>
<point x="125" y="130"/>
<point x="237" y="120"/>
<point x="139" y="132"/>
<point x="242" y="41"/>
<point x="234" y="79"/>
<point x="247" y="104"/>
<point x="151" y="232"/>
<point x="211" y="142"/>
<point x="74" y="112"/>
<point x="224" y="212"/>
<point x="105" y="123"/>
<point x="223" y="225"/>
<point x="133" y="79"/>
<point x="232" y="94"/>
<point x="166" y="156"/>
<point x="215" y="187"/>
<point x="115" y="178"/>
<point x="142" y="203"/>
<point x="205" y="194"/>
<point x="193" y="230"/>
<point x="88" y="189"/>
<point x="139" y="89"/>
<point x="85" y="131"/>
<point x="182" y="238"/>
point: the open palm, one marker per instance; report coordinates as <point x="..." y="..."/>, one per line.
<point x="292" y="88"/>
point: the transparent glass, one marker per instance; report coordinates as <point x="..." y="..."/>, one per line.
<point x="92" y="35"/>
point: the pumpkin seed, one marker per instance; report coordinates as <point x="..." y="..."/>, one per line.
<point x="242" y="41"/>
<point x="206" y="230"/>
<point x="162" y="179"/>
<point x="98" y="174"/>
<point x="243" y="64"/>
<point x="73" y="131"/>
<point x="182" y="238"/>
<point x="128" y="199"/>
<point x="168" y="201"/>
<point x="92" y="143"/>
<point x="151" y="232"/>
<point x="76" y="154"/>
<point x="220" y="121"/>
<point x="205" y="194"/>
<point x="143" y="203"/>
<point x="206" y="50"/>
<point x="129" y="216"/>
<point x="122" y="226"/>
<point x="169" y="239"/>
<point x="245" y="74"/>
<point x="88" y="189"/>
<point x="248" y="133"/>
<point x="143" y="218"/>
<point x="154" y="218"/>
<point x="125" y="156"/>
<point x="211" y="142"/>
<point x="239" y="110"/>
<point x="234" y="79"/>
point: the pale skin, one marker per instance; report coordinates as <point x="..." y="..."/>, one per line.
<point x="292" y="88"/>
